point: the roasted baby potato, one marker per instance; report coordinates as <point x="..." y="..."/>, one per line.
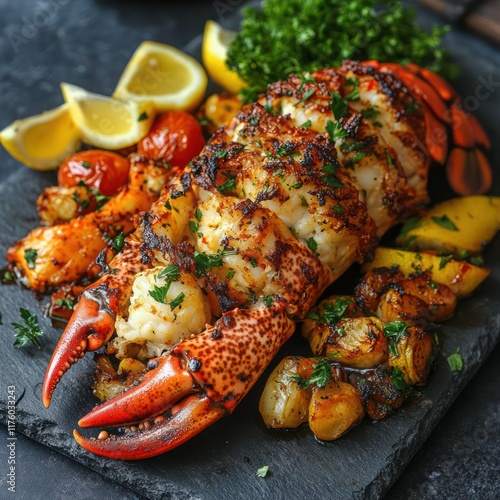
<point x="460" y="276"/>
<point x="334" y="409"/>
<point x="414" y="350"/>
<point x="283" y="404"/>
<point x="454" y="226"/>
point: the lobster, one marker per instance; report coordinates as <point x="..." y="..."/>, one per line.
<point x="280" y="202"/>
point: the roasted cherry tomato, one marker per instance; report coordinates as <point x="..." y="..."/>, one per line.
<point x="102" y="170"/>
<point x="176" y="137"/>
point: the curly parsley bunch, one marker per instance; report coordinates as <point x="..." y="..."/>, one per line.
<point x="291" y="36"/>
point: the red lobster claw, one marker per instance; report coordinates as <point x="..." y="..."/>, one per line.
<point x="201" y="380"/>
<point x="93" y="320"/>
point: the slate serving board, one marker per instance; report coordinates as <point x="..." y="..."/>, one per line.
<point x="222" y="461"/>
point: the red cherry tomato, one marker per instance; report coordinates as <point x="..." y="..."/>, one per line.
<point x="102" y="170"/>
<point x="175" y="137"/>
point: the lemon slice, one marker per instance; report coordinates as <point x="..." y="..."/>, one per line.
<point x="165" y="75"/>
<point x="216" y="40"/>
<point x="105" y="122"/>
<point x="42" y="141"/>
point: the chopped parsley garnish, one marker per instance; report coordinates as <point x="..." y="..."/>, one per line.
<point x="330" y="178"/>
<point x="445" y="222"/>
<point x="29" y="332"/>
<point x="206" y="261"/>
<point x="370" y="113"/>
<point x="444" y="260"/>
<point x="30" y="255"/>
<point x="171" y="273"/>
<point x="228" y="186"/>
<point x="398" y="380"/>
<point x="306" y="124"/>
<point x="303" y="201"/>
<point x="168" y="206"/>
<point x="85" y="164"/>
<point x="262" y="472"/>
<point x="359" y="156"/>
<point x="118" y="241"/>
<point x="390" y="161"/>
<point x="83" y="203"/>
<point x="408" y="225"/>
<point x="337" y="105"/>
<point x="352" y="96"/>
<point x="177" y="301"/>
<point x="297" y="185"/>
<point x="307" y="94"/>
<point x="198" y="214"/>
<point x="321" y="375"/>
<point x="193" y="226"/>
<point x="159" y="293"/>
<point x="305" y="78"/>
<point x="221" y="153"/>
<point x="268" y="300"/>
<point x="311" y="243"/>
<point x="353" y="82"/>
<point x="142" y="116"/>
<point x="253" y="262"/>
<point x="455" y="361"/>
<point x="66" y="303"/>
<point x="335" y="130"/>
<point x="338" y="208"/>
<point x="394" y="331"/>
<point x="230" y="275"/>
<point x="330" y="313"/>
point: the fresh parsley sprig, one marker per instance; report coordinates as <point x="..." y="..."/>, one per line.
<point x="29" y="332"/>
<point x="321" y="375"/>
<point x="394" y="331"/>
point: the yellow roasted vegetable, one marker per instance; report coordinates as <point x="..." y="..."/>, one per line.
<point x="455" y="226"/>
<point x="460" y="276"/>
<point x="334" y="409"/>
<point x="283" y="404"/>
<point x="412" y="353"/>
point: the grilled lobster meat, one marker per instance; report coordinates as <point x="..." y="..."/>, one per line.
<point x="280" y="202"/>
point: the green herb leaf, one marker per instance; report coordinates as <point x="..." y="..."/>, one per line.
<point x="29" y="332"/>
<point x="330" y="313"/>
<point x="311" y="243"/>
<point x="394" y="331"/>
<point x="253" y="262"/>
<point x="205" y="262"/>
<point x="321" y="375"/>
<point x="159" y="293"/>
<point x="170" y="273"/>
<point x="198" y="214"/>
<point x="370" y="113"/>
<point x="30" y="255"/>
<point x="307" y="124"/>
<point x="142" y="116"/>
<point x="338" y="106"/>
<point x="177" y="301"/>
<point x="445" y="222"/>
<point x="228" y="186"/>
<point x="455" y="361"/>
<point x="335" y="130"/>
<point x="444" y="260"/>
<point x="262" y="472"/>
<point x="118" y="241"/>
<point x="85" y="164"/>
<point x="67" y="303"/>
<point x="408" y="225"/>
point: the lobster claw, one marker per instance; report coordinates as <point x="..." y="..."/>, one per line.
<point x="201" y="380"/>
<point x="93" y="320"/>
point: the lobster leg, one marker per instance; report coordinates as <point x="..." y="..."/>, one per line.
<point x="220" y="364"/>
<point x="93" y="320"/>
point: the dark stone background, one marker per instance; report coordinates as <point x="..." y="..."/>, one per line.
<point x="88" y="43"/>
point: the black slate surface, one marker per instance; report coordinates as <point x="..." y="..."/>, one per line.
<point x="222" y="461"/>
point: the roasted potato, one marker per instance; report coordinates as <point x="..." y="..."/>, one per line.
<point x="334" y="409"/>
<point x="460" y="276"/>
<point x="454" y="226"/>
<point x="283" y="404"/>
<point x="414" y="351"/>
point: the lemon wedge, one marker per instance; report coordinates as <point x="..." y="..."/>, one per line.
<point x="42" y="141"/>
<point x="216" y="41"/>
<point x="105" y="122"/>
<point x="165" y="75"/>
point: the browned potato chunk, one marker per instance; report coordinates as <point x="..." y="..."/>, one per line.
<point x="334" y="409"/>
<point x="283" y="404"/>
<point x="353" y="342"/>
<point x="414" y="350"/>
